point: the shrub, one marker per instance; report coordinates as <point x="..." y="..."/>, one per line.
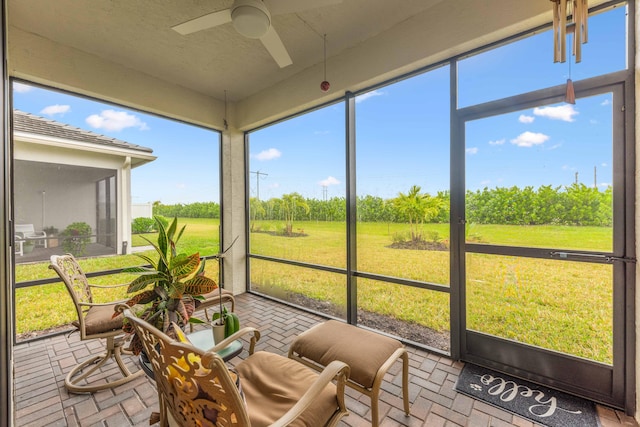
<point x="75" y="238"/>
<point x="400" y="237"/>
<point x="163" y="220"/>
<point x="142" y="225"/>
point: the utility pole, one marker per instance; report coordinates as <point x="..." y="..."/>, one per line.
<point x="324" y="193"/>
<point x="576" y="177"/>
<point x="258" y="174"/>
<point x="595" y="177"/>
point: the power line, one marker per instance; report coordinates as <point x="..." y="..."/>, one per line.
<point x="258" y="174"/>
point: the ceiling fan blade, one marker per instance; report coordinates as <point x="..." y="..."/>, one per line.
<point x="202" y="23"/>
<point x="279" y="7"/>
<point x="271" y="40"/>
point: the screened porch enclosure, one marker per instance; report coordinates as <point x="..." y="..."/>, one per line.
<point x="442" y="192"/>
<point x="50" y="195"/>
<point x="467" y="218"/>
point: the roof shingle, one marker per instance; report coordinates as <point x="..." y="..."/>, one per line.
<point x="30" y="123"/>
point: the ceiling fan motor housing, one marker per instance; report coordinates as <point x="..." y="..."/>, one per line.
<point x="251" y="18"/>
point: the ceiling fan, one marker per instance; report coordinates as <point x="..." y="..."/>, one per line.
<point x="252" y="19"/>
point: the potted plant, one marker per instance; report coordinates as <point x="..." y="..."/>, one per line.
<point x="224" y="323"/>
<point x="168" y="288"/>
<point x="27" y="246"/>
<point x="75" y="238"/>
<point x="52" y="236"/>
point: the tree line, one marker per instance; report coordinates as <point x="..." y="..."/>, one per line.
<point x="576" y="204"/>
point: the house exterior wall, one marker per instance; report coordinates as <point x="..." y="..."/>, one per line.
<point x="68" y="178"/>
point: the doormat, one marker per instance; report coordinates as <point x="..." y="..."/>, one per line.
<point x="539" y="404"/>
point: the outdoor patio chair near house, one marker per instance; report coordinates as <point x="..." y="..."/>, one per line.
<point x="28" y="232"/>
<point x="95" y="321"/>
<point x="195" y="387"/>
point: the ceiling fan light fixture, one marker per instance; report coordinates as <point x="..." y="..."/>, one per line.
<point x="250" y="18"/>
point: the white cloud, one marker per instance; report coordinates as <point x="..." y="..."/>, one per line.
<point x="21" y="87"/>
<point x="498" y="142"/>
<point x="471" y="150"/>
<point x="115" y="121"/>
<point x="273" y="186"/>
<point x="485" y="182"/>
<point x="562" y="112"/>
<point x="329" y="181"/>
<point x="365" y="96"/>
<point x="604" y="165"/>
<point x="529" y="139"/>
<point x="52" y="110"/>
<point x="321" y="132"/>
<point x="555" y="147"/>
<point x="269" y="154"/>
<point x="606" y="102"/>
<point x="526" y="119"/>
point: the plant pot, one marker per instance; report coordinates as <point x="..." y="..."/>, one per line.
<point x="218" y="332"/>
<point x="28" y="248"/>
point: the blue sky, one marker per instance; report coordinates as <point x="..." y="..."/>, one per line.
<point x="402" y="131"/>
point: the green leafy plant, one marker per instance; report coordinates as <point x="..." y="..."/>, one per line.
<point x="75" y="238"/>
<point x="230" y="321"/>
<point x="167" y="290"/>
<point x="142" y="225"/>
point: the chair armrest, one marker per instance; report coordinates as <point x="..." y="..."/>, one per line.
<point x="231" y="338"/>
<point x="103" y="304"/>
<point x="336" y="369"/>
<point x="108" y="286"/>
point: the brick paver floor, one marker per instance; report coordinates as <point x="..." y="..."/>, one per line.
<point x="42" y="400"/>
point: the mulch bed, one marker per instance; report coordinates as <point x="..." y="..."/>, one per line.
<point x="409" y="331"/>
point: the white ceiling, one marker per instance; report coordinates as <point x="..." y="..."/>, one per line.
<point x="138" y="35"/>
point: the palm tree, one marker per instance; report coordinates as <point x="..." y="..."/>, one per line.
<point x="417" y="207"/>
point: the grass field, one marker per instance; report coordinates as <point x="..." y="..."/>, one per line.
<point x="564" y="306"/>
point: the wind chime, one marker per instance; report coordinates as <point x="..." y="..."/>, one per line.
<point x="325" y="85"/>
<point x="569" y="16"/>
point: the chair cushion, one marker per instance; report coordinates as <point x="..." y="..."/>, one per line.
<point x="272" y="384"/>
<point x="99" y="319"/>
<point x="364" y="351"/>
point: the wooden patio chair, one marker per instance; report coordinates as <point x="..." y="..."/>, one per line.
<point x="95" y="321"/>
<point x="196" y="388"/>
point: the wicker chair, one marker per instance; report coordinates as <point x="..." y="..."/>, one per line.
<point x="196" y="388"/>
<point x="95" y="321"/>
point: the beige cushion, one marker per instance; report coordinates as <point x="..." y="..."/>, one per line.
<point x="364" y="351"/>
<point x="272" y="384"/>
<point x="99" y="319"/>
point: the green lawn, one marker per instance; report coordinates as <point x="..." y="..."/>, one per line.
<point x="565" y="306"/>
